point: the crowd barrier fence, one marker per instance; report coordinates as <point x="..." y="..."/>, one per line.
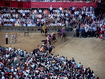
<point x="27" y="29"/>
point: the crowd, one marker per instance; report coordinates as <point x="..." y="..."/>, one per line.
<point x="37" y="17"/>
<point x="27" y="17"/>
<point x="19" y="64"/>
<point x="83" y="20"/>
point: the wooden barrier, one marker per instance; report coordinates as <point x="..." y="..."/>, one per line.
<point x="26" y="29"/>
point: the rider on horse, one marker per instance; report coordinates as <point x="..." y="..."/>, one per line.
<point x="44" y="29"/>
<point x="63" y="32"/>
<point x="53" y="36"/>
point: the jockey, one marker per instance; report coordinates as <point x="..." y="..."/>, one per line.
<point x="63" y="30"/>
<point x="53" y="37"/>
<point x="42" y="49"/>
<point x="44" y="27"/>
<point x="48" y="39"/>
<point x="49" y="35"/>
<point x="52" y="34"/>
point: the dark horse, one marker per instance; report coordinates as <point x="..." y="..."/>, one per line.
<point x="54" y="39"/>
<point x="61" y="35"/>
<point x="44" y="32"/>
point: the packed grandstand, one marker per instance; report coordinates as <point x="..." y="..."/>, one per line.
<point x="84" y="21"/>
<point x="20" y="64"/>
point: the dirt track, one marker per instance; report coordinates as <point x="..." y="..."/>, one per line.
<point x="89" y="51"/>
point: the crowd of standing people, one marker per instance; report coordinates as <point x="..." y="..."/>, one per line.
<point x="84" y="21"/>
<point x="20" y="64"/>
<point x="37" y="17"/>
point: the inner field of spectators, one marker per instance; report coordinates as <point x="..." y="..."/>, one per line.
<point x="88" y="51"/>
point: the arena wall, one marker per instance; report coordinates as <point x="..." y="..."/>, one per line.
<point x="24" y="29"/>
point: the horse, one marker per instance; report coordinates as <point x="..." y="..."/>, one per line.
<point x="35" y="51"/>
<point x="64" y="36"/>
<point x="44" y="31"/>
<point x="53" y="38"/>
<point x="61" y="35"/>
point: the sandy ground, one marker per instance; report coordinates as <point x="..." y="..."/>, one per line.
<point x="89" y="51"/>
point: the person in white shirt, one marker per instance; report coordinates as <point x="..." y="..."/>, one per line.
<point x="51" y="9"/>
<point x="86" y="30"/>
<point x="6" y="37"/>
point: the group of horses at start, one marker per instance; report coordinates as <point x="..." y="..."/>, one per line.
<point x="47" y="44"/>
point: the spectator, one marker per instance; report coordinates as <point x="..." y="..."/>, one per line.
<point x="12" y="39"/>
<point x="6" y="38"/>
<point x="51" y="9"/>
